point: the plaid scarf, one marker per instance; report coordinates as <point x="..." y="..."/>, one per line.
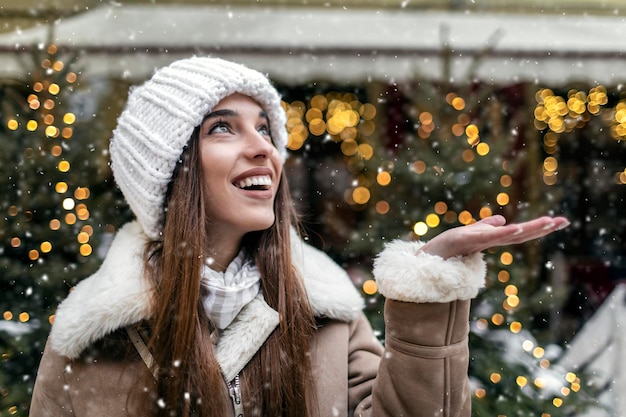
<point x="229" y="291"/>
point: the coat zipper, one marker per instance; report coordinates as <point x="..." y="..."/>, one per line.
<point x="234" y="389"/>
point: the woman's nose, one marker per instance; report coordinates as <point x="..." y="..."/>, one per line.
<point x="258" y="145"/>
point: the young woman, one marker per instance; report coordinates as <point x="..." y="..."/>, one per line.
<point x="211" y="305"/>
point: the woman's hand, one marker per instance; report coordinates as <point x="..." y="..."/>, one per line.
<point x="490" y="232"/>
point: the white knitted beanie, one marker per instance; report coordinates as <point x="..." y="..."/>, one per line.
<point x="160" y="117"/>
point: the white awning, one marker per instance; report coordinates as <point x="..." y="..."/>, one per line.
<point x="298" y="45"/>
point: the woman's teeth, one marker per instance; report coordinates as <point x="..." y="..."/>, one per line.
<point x="263" y="182"/>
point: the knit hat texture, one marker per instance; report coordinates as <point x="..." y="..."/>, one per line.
<point x="159" y="118"/>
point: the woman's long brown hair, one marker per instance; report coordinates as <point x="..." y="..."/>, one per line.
<point x="278" y="380"/>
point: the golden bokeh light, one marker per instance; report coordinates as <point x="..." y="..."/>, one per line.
<point x="64" y="166"/>
<point x="32" y="125"/>
<point x="383" y="178"/>
<point x="458" y="103"/>
<point x="510" y="290"/>
<point x="382" y="207"/>
<point x="52" y="131"/>
<point x="432" y="220"/>
<point x="361" y="195"/>
<point x="366" y="151"/>
<point x="349" y="147"/>
<point x="419" y="167"/>
<point x="425" y="118"/>
<point x="370" y="287"/>
<point x="512" y="301"/>
<point x="58" y="66"/>
<point x="450" y="216"/>
<point x="502" y="199"/>
<point x="550" y="164"/>
<point x="482" y="149"/>
<point x="69" y="118"/>
<point x="82" y="212"/>
<point x="441" y="207"/>
<point x="420" y="228"/>
<point x="570" y="377"/>
<point x="317" y="127"/>
<point x="368" y="111"/>
<point x="468" y="156"/>
<point x="450" y="96"/>
<point x="457" y="129"/>
<point x="61" y="187"/>
<point x="45" y="247"/>
<point x="549" y="178"/>
<point x="85" y="250"/>
<point x="319" y="102"/>
<point x="81" y="193"/>
<point x="471" y="131"/>
<point x="48" y="119"/>
<point x="55" y="224"/>
<point x="54" y="89"/>
<point x="495" y="377"/>
<point x="506" y="258"/>
<point x="82" y="237"/>
<point x="485" y="212"/>
<point x="465" y="217"/>
<point x="497" y="319"/>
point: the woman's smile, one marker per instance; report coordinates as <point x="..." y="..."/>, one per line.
<point x="257" y="183"/>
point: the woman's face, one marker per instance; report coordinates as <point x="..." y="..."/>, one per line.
<point x="242" y="168"/>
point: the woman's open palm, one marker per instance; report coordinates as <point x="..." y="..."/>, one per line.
<point x="490" y="232"/>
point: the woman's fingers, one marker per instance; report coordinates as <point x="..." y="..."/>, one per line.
<point x="491" y="232"/>
<point x="496" y="220"/>
<point x="538" y="228"/>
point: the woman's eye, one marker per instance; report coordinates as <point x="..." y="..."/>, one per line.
<point x="219" y="127"/>
<point x="264" y="130"/>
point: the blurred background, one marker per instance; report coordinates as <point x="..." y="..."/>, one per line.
<point x="405" y="118"/>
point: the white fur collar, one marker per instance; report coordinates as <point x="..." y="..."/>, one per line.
<point x="116" y="296"/>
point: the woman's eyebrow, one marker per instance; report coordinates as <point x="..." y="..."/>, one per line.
<point x="220" y="113"/>
<point x="230" y="113"/>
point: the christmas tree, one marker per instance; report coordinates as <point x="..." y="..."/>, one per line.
<point x="56" y="209"/>
<point x="445" y="155"/>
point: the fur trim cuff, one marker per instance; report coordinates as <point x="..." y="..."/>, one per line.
<point x="403" y="275"/>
